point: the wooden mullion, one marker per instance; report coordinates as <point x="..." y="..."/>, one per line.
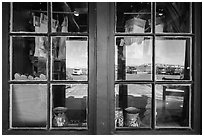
<point x="91" y="118"/>
<point x="49" y="7"/>
<point x="153" y="108"/>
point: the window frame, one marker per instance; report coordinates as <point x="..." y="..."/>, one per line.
<point x="103" y="123"/>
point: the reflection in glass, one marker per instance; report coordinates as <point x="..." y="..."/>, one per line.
<point x="70" y="58"/>
<point x="133" y="58"/>
<point x="133" y="17"/>
<point x="172" y="58"/>
<point x="70" y="16"/>
<point x="173" y="17"/>
<point x="69" y="105"/>
<point x="29" y="105"/>
<point x="29" y="17"/>
<point x="172" y="105"/>
<point x="133" y="105"/>
<point x="29" y="58"/>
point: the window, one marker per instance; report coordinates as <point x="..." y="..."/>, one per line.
<point x="49" y="70"/>
<point x="152" y="60"/>
<point x="101" y="68"/>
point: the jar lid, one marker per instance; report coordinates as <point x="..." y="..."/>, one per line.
<point x="60" y="109"/>
<point x="132" y="110"/>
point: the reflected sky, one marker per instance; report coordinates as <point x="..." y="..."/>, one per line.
<point x="166" y="52"/>
<point x="137" y="53"/>
<point x="76" y="54"/>
<point x="170" y="51"/>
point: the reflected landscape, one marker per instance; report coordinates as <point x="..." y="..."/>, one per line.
<point x="133" y="57"/>
<point x="70" y="58"/>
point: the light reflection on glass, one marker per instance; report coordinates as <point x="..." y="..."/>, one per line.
<point x="172" y="105"/>
<point x="29" y="105"/>
<point x="133" y="58"/>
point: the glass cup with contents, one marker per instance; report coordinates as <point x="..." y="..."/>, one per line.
<point x="60" y="118"/>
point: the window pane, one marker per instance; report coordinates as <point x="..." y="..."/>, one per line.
<point x="29" y="58"/>
<point x="133" y="105"/>
<point x="29" y="105"/>
<point x="70" y="16"/>
<point x="70" y="58"/>
<point x="172" y="105"/>
<point x="172" y="58"/>
<point x="29" y="17"/>
<point x="69" y="105"/>
<point x="133" y="58"/>
<point x="133" y="17"/>
<point x="173" y="17"/>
